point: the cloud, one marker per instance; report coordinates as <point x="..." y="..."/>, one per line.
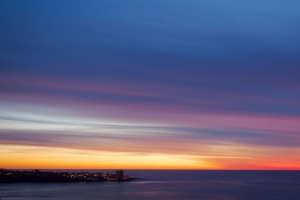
<point x="205" y="96"/>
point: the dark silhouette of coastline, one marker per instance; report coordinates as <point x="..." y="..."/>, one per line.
<point x="16" y="176"/>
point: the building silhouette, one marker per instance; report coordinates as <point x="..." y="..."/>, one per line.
<point x="119" y="174"/>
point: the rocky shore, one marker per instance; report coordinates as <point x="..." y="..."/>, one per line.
<point x="15" y="176"/>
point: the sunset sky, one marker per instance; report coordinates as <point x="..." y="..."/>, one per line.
<point x="189" y="84"/>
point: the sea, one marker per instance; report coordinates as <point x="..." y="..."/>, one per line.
<point x="167" y="185"/>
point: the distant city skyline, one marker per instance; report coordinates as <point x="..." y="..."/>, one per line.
<point x="149" y="84"/>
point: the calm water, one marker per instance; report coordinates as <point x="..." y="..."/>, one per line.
<point x="170" y="185"/>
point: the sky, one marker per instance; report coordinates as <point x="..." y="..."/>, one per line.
<point x="171" y="84"/>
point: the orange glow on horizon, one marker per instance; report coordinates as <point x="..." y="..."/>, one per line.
<point x="28" y="157"/>
<point x="23" y="157"/>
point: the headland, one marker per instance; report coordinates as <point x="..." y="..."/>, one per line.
<point x="16" y="176"/>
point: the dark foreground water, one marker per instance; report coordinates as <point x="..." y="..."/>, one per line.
<point x="170" y="185"/>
